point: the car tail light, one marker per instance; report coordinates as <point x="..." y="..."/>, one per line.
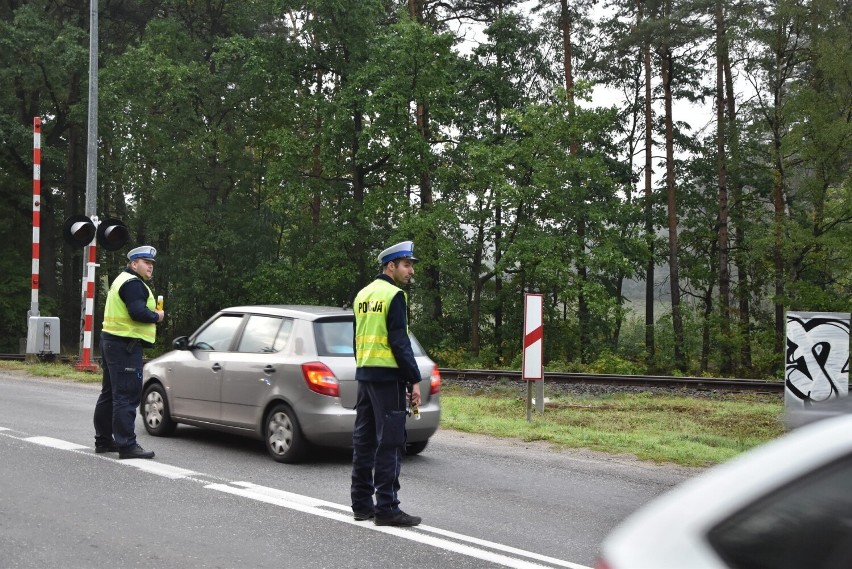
<point x="435" y="381"/>
<point x="602" y="564"/>
<point x="320" y="379"/>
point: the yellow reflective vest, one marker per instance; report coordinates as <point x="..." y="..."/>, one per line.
<point x="117" y="320"/>
<point x="372" y="347"/>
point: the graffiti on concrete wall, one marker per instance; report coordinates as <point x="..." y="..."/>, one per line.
<point x="817" y="366"/>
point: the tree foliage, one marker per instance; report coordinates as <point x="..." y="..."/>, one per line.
<point x="270" y="149"/>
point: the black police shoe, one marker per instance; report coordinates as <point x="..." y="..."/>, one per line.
<point x="109" y="447"/>
<point x="398" y="519"/>
<point x="135" y="452"/>
<point x="361" y="516"/>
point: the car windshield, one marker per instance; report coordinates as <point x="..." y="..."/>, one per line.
<point x="335" y="338"/>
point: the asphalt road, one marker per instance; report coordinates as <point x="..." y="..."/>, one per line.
<point x="215" y="500"/>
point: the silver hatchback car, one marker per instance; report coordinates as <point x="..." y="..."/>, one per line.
<point x="283" y="374"/>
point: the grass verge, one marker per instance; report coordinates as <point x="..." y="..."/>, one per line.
<point x="57" y="370"/>
<point x="662" y="428"/>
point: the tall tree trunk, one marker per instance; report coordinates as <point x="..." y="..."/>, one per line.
<point x="582" y="271"/>
<point x="476" y="299"/>
<point x="498" y="279"/>
<point x="778" y="245"/>
<point x="72" y="270"/>
<point x="674" y="280"/>
<point x="778" y="217"/>
<point x="738" y="218"/>
<point x="650" y="348"/>
<point x="358" y="189"/>
<point x="316" y="163"/>
<point x="433" y="275"/>
<point x="722" y="173"/>
<point x="705" y="327"/>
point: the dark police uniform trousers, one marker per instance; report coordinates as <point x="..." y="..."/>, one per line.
<point x="379" y="433"/>
<point x="121" y="391"/>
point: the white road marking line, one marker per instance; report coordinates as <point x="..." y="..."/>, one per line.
<point x="54" y="443"/>
<point x="505" y="548"/>
<point x="158" y="468"/>
<point x="315" y="502"/>
<point x="314" y="506"/>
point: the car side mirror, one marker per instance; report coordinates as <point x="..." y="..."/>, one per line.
<point x="181" y="343"/>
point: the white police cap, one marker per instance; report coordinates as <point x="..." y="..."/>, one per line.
<point x="404" y="250"/>
<point x="145" y="252"/>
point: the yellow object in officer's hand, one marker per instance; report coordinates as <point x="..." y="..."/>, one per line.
<point x="160" y="302"/>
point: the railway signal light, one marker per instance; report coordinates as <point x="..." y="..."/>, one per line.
<point x="78" y="230"/>
<point x="112" y="234"/>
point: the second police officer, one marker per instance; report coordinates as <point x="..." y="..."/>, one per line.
<point x="386" y="369"/>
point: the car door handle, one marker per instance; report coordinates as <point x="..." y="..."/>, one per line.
<point x="269" y="369"/>
<point x="216" y="367"/>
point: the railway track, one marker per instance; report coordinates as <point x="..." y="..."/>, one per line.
<point x="663" y="382"/>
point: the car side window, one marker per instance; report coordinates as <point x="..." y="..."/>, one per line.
<point x="219" y="334"/>
<point x="805" y="524"/>
<point x="265" y="334"/>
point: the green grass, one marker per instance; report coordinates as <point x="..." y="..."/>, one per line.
<point x="57" y="370"/>
<point x="687" y="431"/>
<point x="659" y="428"/>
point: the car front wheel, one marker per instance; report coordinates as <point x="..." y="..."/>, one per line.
<point x="284" y="439"/>
<point x="155" y="411"/>
<point x="416" y="448"/>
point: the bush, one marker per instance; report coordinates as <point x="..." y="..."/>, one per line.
<point x="610" y="363"/>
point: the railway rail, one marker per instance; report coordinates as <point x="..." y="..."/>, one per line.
<point x="663" y="382"/>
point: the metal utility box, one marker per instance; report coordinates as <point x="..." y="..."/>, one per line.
<point x="43" y="335"/>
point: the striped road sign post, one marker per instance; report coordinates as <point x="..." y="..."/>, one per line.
<point x="533" y="365"/>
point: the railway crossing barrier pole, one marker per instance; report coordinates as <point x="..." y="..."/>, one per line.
<point x="42" y="331"/>
<point x="533" y="342"/>
<point x="85" y="364"/>
<point x="36" y="214"/>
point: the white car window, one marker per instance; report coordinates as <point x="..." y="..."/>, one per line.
<point x="807" y="524"/>
<point x="219" y="334"/>
<point x="265" y="334"/>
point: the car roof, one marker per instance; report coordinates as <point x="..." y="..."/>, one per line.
<point x="300" y="311"/>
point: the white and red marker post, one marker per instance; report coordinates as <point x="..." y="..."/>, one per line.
<point x="533" y="362"/>
<point x="36" y="214"/>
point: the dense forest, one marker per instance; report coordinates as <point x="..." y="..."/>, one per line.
<point x="269" y="149"/>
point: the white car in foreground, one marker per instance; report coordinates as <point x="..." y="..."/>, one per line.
<point x="784" y="505"/>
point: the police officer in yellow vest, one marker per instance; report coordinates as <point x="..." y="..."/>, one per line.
<point x="130" y="318"/>
<point x="386" y="369"/>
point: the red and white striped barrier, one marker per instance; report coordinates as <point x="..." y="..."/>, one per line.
<point x="36" y="213"/>
<point x="89" y="309"/>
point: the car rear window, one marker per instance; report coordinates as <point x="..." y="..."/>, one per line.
<point x="335" y="338"/>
